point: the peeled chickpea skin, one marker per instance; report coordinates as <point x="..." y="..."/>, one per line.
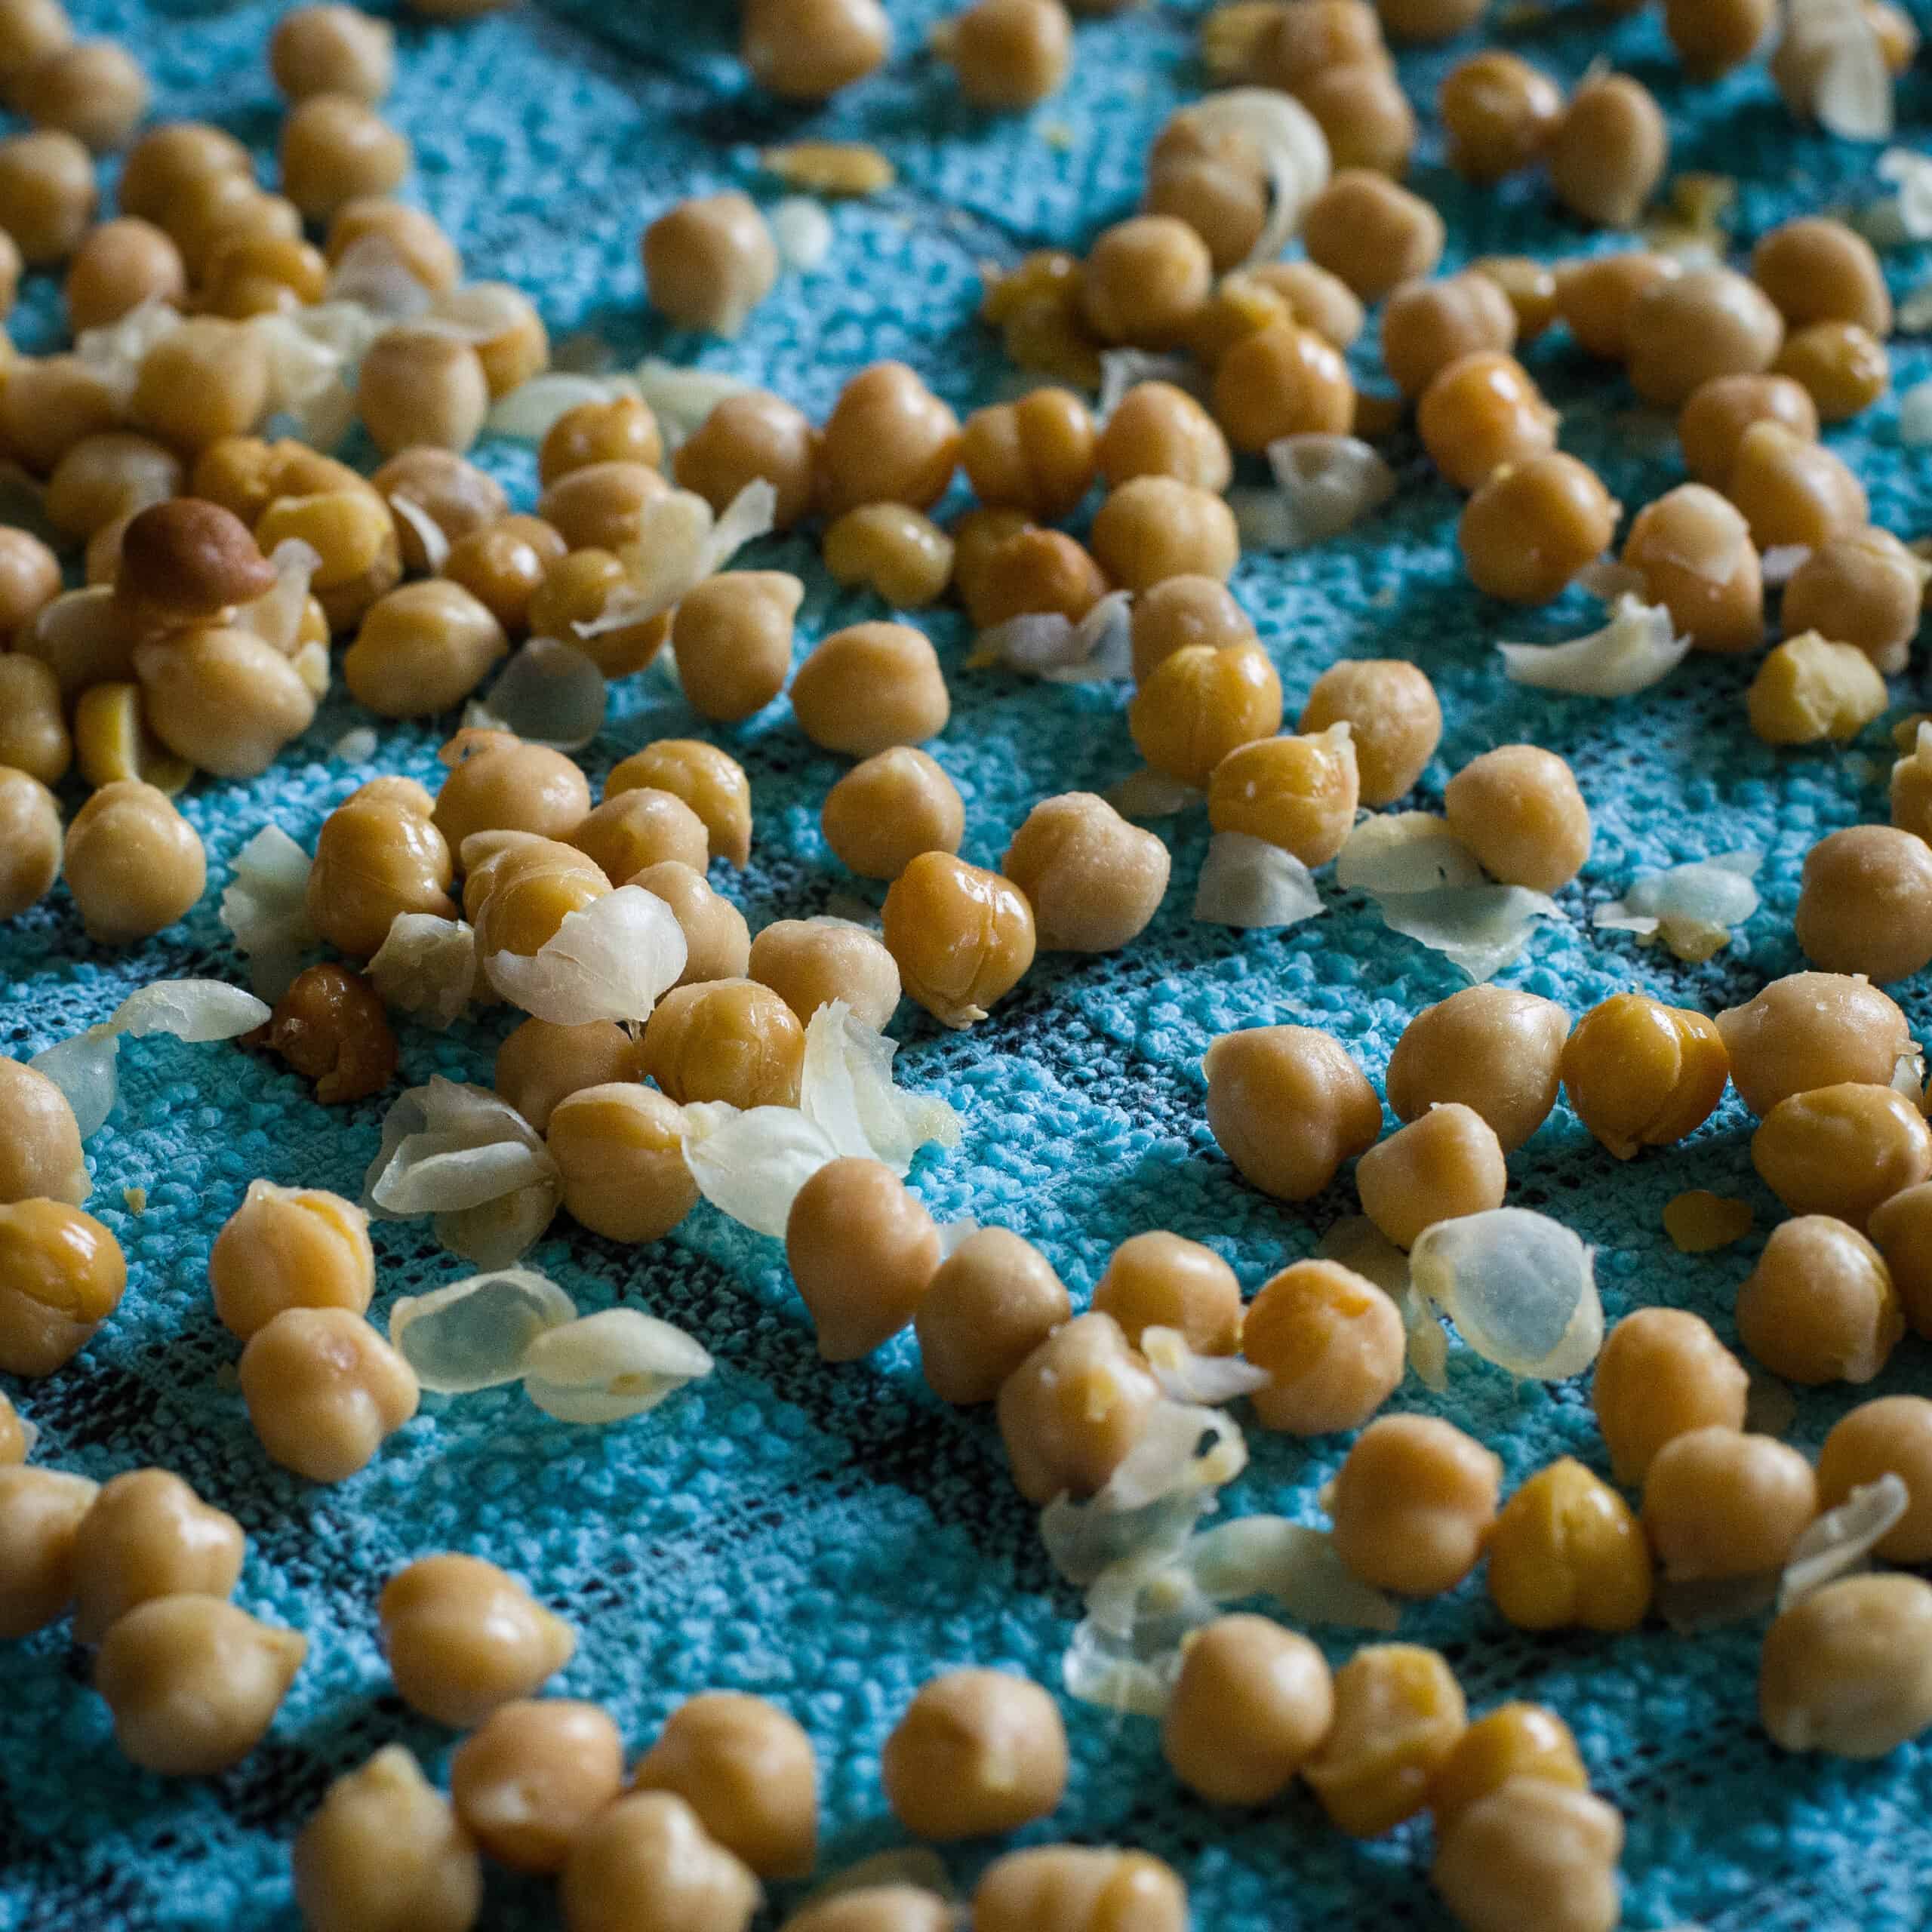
<point x="1533" y="1852"/>
<point x="888" y="440"/>
<point x="1371" y="233"/>
<point x="1411" y="1504"/>
<point x="41" y="1512"/>
<point x="133" y="864"/>
<point x="193" y="1683"/>
<point x="1712" y="423"/>
<point x="748" y="436"/>
<point x="978" y="1752"/>
<point x="731" y="1040"/>
<point x="1398" y="1714"/>
<point x="462" y="1637"/>
<point x="289" y="1248"/>
<point x="1842" y="1150"/>
<point x="1481" y="412"/>
<point x="1865" y="904"/>
<point x="1685" y="329"/>
<point x="1297" y="793"/>
<point x="1820" y="1306"/>
<point x="1866" y="588"/>
<point x="1566" y="1552"/>
<point x="1071" y="1411"/>
<point x="1718" y="1503"/>
<point x="1144" y="282"/>
<point x="1518" y="808"/>
<point x="1662" y="1372"/>
<point x="1526" y="532"/>
<point x="1446" y="1163"/>
<point x="147" y="1534"/>
<point x="1641" y="1074"/>
<point x="40" y="1157"/>
<point x="421" y="386"/>
<point x="1250" y="1705"/>
<point x="1847" y="1670"/>
<point x="1093" y="880"/>
<point x="323" y="1390"/>
<point x="30" y="845"/>
<point x="334" y="149"/>
<point x="1499" y="113"/>
<point x="1201" y="704"/>
<point x="1809" y="1030"/>
<point x="1331" y="1343"/>
<point x="1609" y="151"/>
<point x="963" y="937"/>
<point x="1260" y="1078"/>
<point x="732" y="638"/>
<point x="385" y="1852"/>
<point x="647" y="1860"/>
<point x="1892" y="1436"/>
<point x="989" y="1305"/>
<point x="1158" y="1280"/>
<point x="862" y="1250"/>
<point x="422" y="649"/>
<point x="620" y="1161"/>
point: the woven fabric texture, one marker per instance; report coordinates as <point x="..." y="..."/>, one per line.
<point x="829" y="1536"/>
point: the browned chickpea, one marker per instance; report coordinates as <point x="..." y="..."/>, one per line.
<point x="328" y="48"/>
<point x="330" y="1027"/>
<point x="1714" y="420"/>
<point x="30" y="848"/>
<point x="147" y="1534"/>
<point x="1719" y="1503"/>
<point x="335" y="149"/>
<point x="62" y="1274"/>
<point x="1499" y="114"/>
<point x="808" y="50"/>
<point x="1518" y="808"/>
<point x="526" y="1783"/>
<point x="748" y="437"/>
<point x="646" y="1860"/>
<point x="410" y="235"/>
<point x="1200" y="704"/>
<point x="1363" y="114"/>
<point x="888" y="440"/>
<point x="1819" y="270"/>
<point x="1411" y="1504"/>
<point x="1145" y="281"/>
<point x="963" y="937"/>
<point x="48" y="194"/>
<point x="1010" y="54"/>
<point x="1153" y="528"/>
<point x="1810" y="1030"/>
<point x="1686" y="330"/>
<point x="1528" y="531"/>
<point x="1331" y="1343"/>
<point x="133" y="864"/>
<point x="40" y="1510"/>
<point x="862" y="1249"/>
<point x="1694" y="552"/>
<point x="884" y="813"/>
<point x="1071" y="1411"/>
<point x="1258" y="1077"/>
<point x="870" y="686"/>
<point x="1093" y="880"/>
<point x="1372" y="233"/>
<point x="989" y="1305"/>
<point x="808" y="963"/>
<point x="463" y="1638"/>
<point x="1609" y="151"/>
<point x="1841" y="366"/>
<point x="1284" y="380"/>
<point x="379" y="855"/>
<point x="1037" y="454"/>
<point x="1794" y="490"/>
<point x="1866" y="588"/>
<point x="1820" y="1306"/>
<point x="978" y="1752"/>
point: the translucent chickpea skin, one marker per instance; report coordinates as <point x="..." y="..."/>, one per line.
<point x="976" y="1753"/>
<point x="462" y="1637"/>
<point x="988" y="1306"/>
<point x="1263" y="1075"/>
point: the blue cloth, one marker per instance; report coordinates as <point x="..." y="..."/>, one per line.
<point x="829" y="1536"/>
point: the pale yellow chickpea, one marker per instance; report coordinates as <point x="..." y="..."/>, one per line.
<point x="1201" y="704"/>
<point x="1093" y="880"/>
<point x="1181" y="610"/>
<point x="1412" y="1502"/>
<point x="731" y="1040"/>
<point x="1283" y="380"/>
<point x="133" y="864"/>
<point x="34" y="737"/>
<point x="1261" y="1077"/>
<point x="1529" y="530"/>
<point x="48" y="194"/>
<point x="30" y="844"/>
<point x="1481" y="412"/>
<point x="378" y="855"/>
<point x="208" y="379"/>
<point x="870" y="687"/>
<point x="1845" y="1669"/>
<point x="1865" y="904"/>
<point x="1662" y="1372"/>
<point x="648" y="1860"/>
<point x="1398" y="1714"/>
<point x="1694" y="552"/>
<point x="1297" y="793"/>
<point x="620" y="1155"/>
<point x="1809" y="690"/>
<point x="1567" y="1552"/>
<point x="1158" y="1280"/>
<point x="888" y="809"/>
<point x="1010" y="54"/>
<point x="992" y="1301"/>
<point x="1331" y="1343"/>
<point x="1518" y="809"/>
<point x="328" y="48"/>
<point x="1719" y="1503"/>
<point x="29" y="580"/>
<point x="1892" y="1436"/>
<point x="1909" y="792"/>
<point x="963" y="937"/>
<point x="386" y="1852"/>
<point x="33" y="31"/>
<point x="1252" y="1703"/>
<point x="1448" y="1162"/>
<point x="1313" y="298"/>
<point x="1158" y="430"/>
<point x="526" y="1783"/>
<point x="1713" y="422"/>
<point x="1817" y="270"/>
<point x="747" y="437"/>
<point x="901" y="555"/>
<point x="223" y="698"/>
<point x="1530" y="286"/>
<point x="1792" y="490"/>
<point x="324" y="1390"/>
<point x="1495" y="1050"/>
<point x="1609" y="151"/>
<point x="1641" y="1074"/>
<point x="1427" y="325"/>
<point x="717" y="940"/>
<point x="1842" y="1150"/>
<point x="1145" y="281"/>
<point x="1820" y="1306"/>
<point x="1394" y="721"/>
<point x="1841" y="366"/>
<point x="1372" y="233"/>
<point x="1072" y="1410"/>
<point x="976" y="1753"/>
<point x="147" y="1534"/>
<point x="1686" y="330"/>
<point x="119" y="265"/>
<point x="1079" y="1888"/>
<point x="95" y="89"/>
<point x="732" y="638"/>
<point x="708" y="262"/>
<point x="193" y="1683"/>
<point x="41" y="1158"/>
<point x="1532" y="1852"/>
<point x="541" y="1064"/>
<point x="809" y="963"/>
<point x="423" y="648"/>
<point x="464" y="1636"/>
<point x="1499" y="114"/>
<point x="335" y="149"/>
<point x="421" y="386"/>
<point x="1364" y="115"/>
<point x="289" y="1248"/>
<point x="41" y="1513"/>
<point x="1038" y="453"/>
<point x="862" y="1250"/>
<point x="1812" y="1029"/>
<point x="1866" y="588"/>
<point x="709" y="780"/>
<point x="888" y="440"/>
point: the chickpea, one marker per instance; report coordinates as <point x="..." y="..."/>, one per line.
<point x="577" y="588"/>
<point x="118" y="266"/>
<point x="730" y="1040"/>
<point x="874" y="1909"/>
<point x="979" y="536"/>
<point x="133" y="864"/>
<point x="48" y="405"/>
<point x="1076" y="1888"/>
<point x="1250" y="1706"/>
<point x="1496" y="1051"/>
<point x="1566" y="1552"/>
<point x="1412" y="1503"/>
<point x="289" y="1248"/>
<point x="1038" y="453"/>
<point x="1071" y="1411"/>
<point x="48" y="194"/>
<point x="208" y="379"/>
<point x="323" y="1390"/>
<point x="1596" y="297"/>
<point x="1662" y="1372"/>
<point x="1031" y="572"/>
<point x="717" y="940"/>
<point x="1810" y="1030"/>
<point x="167" y="159"/>
<point x="422" y="648"/>
<point x="902" y="557"/>
<point x="335" y="148"/>
<point x="888" y="440"/>
<point x="1284" y="380"/>
<point x="1532" y="1852"/>
<point x="379" y="855"/>
<point x="977" y="1752"/>
<point x="1428" y="325"/>
<point x="330" y="1027"/>
<point x="1445" y="1164"/>
<point x="541" y="1064"/>
<point x="1897" y="35"/>
<point x="1398" y="1714"/>
<point x="602" y="505"/>
<point x="1518" y="808"/>
<point x="518" y="898"/>
<point x="95" y="89"/>
<point x="1527" y="531"/>
<point x="41" y="1158"/>
<point x="870" y="687"/>
<point x="884" y="812"/>
<point x="1909" y="792"/>
<point x="1819" y="270"/>
<point x="755" y="435"/>
<point x="185" y="562"/>
<point x="503" y="322"/>
<point x="1846" y="1670"/>
<point x="810" y="962"/>
<point x="34" y="739"/>
<point x="1482" y="412"/>
<point x="1093" y="880"/>
<point x="963" y="937"/>
<point x="1809" y="690"/>
<point x="1157" y="1280"/>
<point x="1428" y="20"/>
<point x="14" y="1442"/>
<point x="619" y="1150"/>
<point x="1711" y="38"/>
<point x="29" y="580"/>
<point x="410" y="235"/>
<point x="1514" y="1741"/>
<point x="862" y="1250"/>
<point x="1793" y="490"/>
<point x="1371" y="233"/>
<point x="386" y="1852"/>
<point x="647" y="1860"/>
<point x="1866" y="588"/>
<point x="1864" y="907"/>
<point x="1203" y="703"/>
<point x="1183" y="610"/>
<point x="1820" y="1306"/>
<point x="1153" y="528"/>
<point x="1261" y="1077"/>
<point x="527" y="1782"/>
<point x="504" y="564"/>
<point x="501" y="783"/>
<point x="1145" y="281"/>
<point x="1298" y="793"/>
<point x="1609" y="151"/>
<point x="1499" y="114"/>
<point x="1010" y="54"/>
<point x="1214" y="181"/>
<point x="30" y="853"/>
<point x="622" y="429"/>
<point x="1530" y="286"/>
<point x="1843" y="369"/>
<point x="1890" y="1436"/>
<point x="1158" y="430"/>
<point x="1300" y="42"/>
<point x="732" y="637"/>
<point x="463" y="1638"/>
<point x="147" y="1534"/>
<point x="41" y="1513"/>
<point x="1694" y="552"/>
<point x="1331" y="1343"/>
<point x="989" y="1305"/>
<point x="193" y="1683"/>
<point x="101" y="478"/>
<point x="1899" y="1227"/>
<point x="710" y="781"/>
<point x="1717" y="1503"/>
<point x="1842" y="1150"/>
<point x="32" y="31"/>
<point x="419" y="385"/>
<point x="809" y="50"/>
<point x="708" y="262"/>
<point x="327" y="48"/>
<point x="1713" y="422"/>
<point x="1641" y="1074"/>
<point x="224" y="699"/>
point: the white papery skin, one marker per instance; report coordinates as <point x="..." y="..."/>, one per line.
<point x="265" y="907"/>
<point x="612" y="959"/>
<point x="1247" y="883"/>
<point x="475" y="1333"/>
<point x="609" y="1366"/>
<point x="427" y="967"/>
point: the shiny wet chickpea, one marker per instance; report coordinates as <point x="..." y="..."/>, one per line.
<point x="1094" y="881"/>
<point x="620" y="1160"/>
<point x="1842" y="1150"/>
<point x="1331" y="1344"/>
<point x="1900" y="1230"/>
<point x="1499" y="114"/>
<point x="862" y="1250"/>
<point x="647" y="1860"/>
<point x="1201" y="704"/>
<point x="1299" y="793"/>
<point x="289" y="1248"/>
<point x="1865" y="588"/>
<point x="1662" y="1372"/>
<point x="1514" y="1740"/>
<point x="41" y="1512"/>
<point x="903" y="556"/>
<point x="1398" y="1714"/>
<point x="809" y="963"/>
<point x="1481" y="412"/>
<point x="323" y="1391"/>
<point x="1792" y="490"/>
<point x="1364" y="115"/>
<point x="462" y="1637"/>
<point x="963" y="937"/>
<point x="330" y="1027"/>
<point x="1157" y="1279"/>
<point x="1641" y="1074"/>
<point x="1891" y="1436"/>
<point x="420" y="386"/>
<point x="717" y="939"/>
<point x="1030" y="572"/>
<point x="1144" y="281"/>
<point x="731" y="1040"/>
<point x="423" y="649"/>
<point x="528" y="1781"/>
<point x="1251" y="1705"/>
<point x="641" y="828"/>
<point x="1566" y="1552"/>
<point x="379" y="855"/>
<point x="1283" y="380"/>
<point x="1820" y="1306"/>
<point x="1447" y="1163"/>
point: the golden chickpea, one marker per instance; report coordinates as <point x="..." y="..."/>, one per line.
<point x="102" y="478"/>
<point x="193" y="1683"/>
<point x="1217" y="183"/>
<point x="30" y="579"/>
<point x="147" y="1534"/>
<point x="1445" y="1164"/>
<point x="504" y="564"/>
<point x="41" y="1513"/>
<point x="1076" y="1888"/>
<point x="710" y="781"/>
<point x="1717" y="1503"/>
<point x="1284" y="380"/>
<point x="335" y="149"/>
<point x="1910" y="790"/>
<point x="1866" y="906"/>
<point x="31" y="31"/>
<point x="622" y="429"/>
<point x="224" y="699"/>
<point x="1153" y="528"/>
<point x="1398" y="1714"/>
<point x="520" y="895"/>
<point x="577" y="588"/>
<point x="1531" y="287"/>
<point x="1298" y="793"/>
<point x="989" y="1304"/>
<point x="41" y="1159"/>
<point x="324" y="1390"/>
<point x="1713" y="36"/>
<point x="48" y="194"/>
<point x="1820" y="1306"/>
<point x="1532" y="1852"/>
<point x="620" y="1154"/>
<point x="1841" y="366"/>
<point x="1662" y="1374"/>
<point x="1038" y="453"/>
<point x="1331" y="1343"/>
<point x="1595" y="295"/>
<point x="1372" y="233"/>
<point x="1029" y="572"/>
<point x="1499" y="114"/>
<point x="1817" y="270"/>
<point x="1261" y="1077"/>
<point x="862" y="1250"/>
<point x="756" y="435"/>
<point x="732" y="637"/>
<point x="1145" y="281"/>
<point x="647" y="1860"/>
<point x="1713" y="422"/>
<point x="963" y="937"/>
<point x="731" y="1040"/>
<point x="422" y="649"/>
<point x="48" y="404"/>
<point x="168" y="159"/>
<point x="1251" y="1705"/>
<point x="133" y="864"/>
<point x="1010" y="54"/>
<point x="327" y="48"/>
<point x="1609" y="151"/>
<point x="1641" y="1074"/>
<point x="289" y="1248"/>
<point x="1428" y="325"/>
<point x="1900" y="1228"/>
<point x="95" y="89"/>
<point x="1157" y="1280"/>
<point x="1158" y="430"/>
<point x="977" y="1752"/>
<point x="1515" y="1740"/>
<point x="208" y="379"/>
<point x="1694" y="552"/>
<point x="809" y="963"/>
<point x="870" y="687"/>
<point x="1793" y="490"/>
<point x="902" y="556"/>
<point x="1526" y="532"/>
<point x="717" y="940"/>
<point x="463" y="1638"/>
<point x="118" y="266"/>
<point x="1071" y="1411"/>
<point x="385" y="1852"/>
<point x="1810" y="1030"/>
<point x="600" y="505"/>
<point x="504" y="784"/>
<point x="1202" y="703"/>
<point x="884" y="812"/>
<point x="34" y="737"/>
<point x="1866" y="588"/>
<point x="1093" y="880"/>
<point x="526" y="1783"/>
<point x="1395" y="723"/>
<point x="30" y="854"/>
<point x="410" y="235"/>
<point x="1482" y="412"/>
<point x="1809" y="690"/>
<point x="1412" y="1503"/>
<point x="1892" y="1436"/>
<point x="1364" y="115"/>
<point x="1496" y="1050"/>
<point x="541" y="1064"/>
<point x="14" y="1440"/>
<point x="419" y="386"/>
<point x="1566" y="1552"/>
<point x="1183" y="610"/>
<point x="1301" y="41"/>
<point x="888" y="440"/>
<point x="379" y="855"/>
<point x="1518" y="808"/>
<point x="809" y="50"/>
<point x="1845" y="1669"/>
<point x="1842" y="1150"/>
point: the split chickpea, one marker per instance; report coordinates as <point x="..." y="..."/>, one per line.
<point x="1079" y="1888"/>
<point x="1566" y="1552"/>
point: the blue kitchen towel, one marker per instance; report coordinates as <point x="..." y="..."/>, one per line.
<point x="829" y="1536"/>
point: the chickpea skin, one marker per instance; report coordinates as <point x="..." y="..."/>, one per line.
<point x="1094" y="881"/>
<point x="808" y="963"/>
<point x="888" y="440"/>
<point x="1532" y="1847"/>
<point x="41" y="1157"/>
<point x="1528" y="531"/>
<point x="62" y="1274"/>
<point x="1069" y="1414"/>
<point x="746" y="1768"/>
<point x="41" y="1513"/>
<point x="1495" y="1049"/>
<point x="463" y="1638"/>
<point x="993" y="1300"/>
<point x="324" y="1390"/>
<point x="647" y="1860"/>
<point x="1892" y="1436"/>
<point x="1842" y="1150"/>
<point x="1566" y="1552"/>
<point x="963" y="937"/>
<point x="1412" y="1503"/>
<point x="147" y="1534"/>
<point x="1661" y="1373"/>
<point x="133" y="864"/>
<point x="1847" y="1670"/>
<point x="1265" y="1076"/>
<point x="1809" y="1030"/>
<point x="1158" y="1280"/>
<point x="1717" y="1503"/>
<point x="1820" y="1306"/>
<point x="1331" y="1343"/>
<point x="289" y="1248"/>
<point x="1398" y="1714"/>
<point x="977" y="1752"/>
<point x="1518" y="808"/>
<point x="862" y="1250"/>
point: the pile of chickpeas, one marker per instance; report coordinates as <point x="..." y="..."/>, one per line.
<point x="175" y="658"/>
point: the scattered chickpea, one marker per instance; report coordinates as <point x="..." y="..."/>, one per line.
<point x="462" y="1637"/>
<point x="41" y="1513"/>
<point x="732" y="637"/>
<point x="532" y="1777"/>
<point x="1847" y="1670"/>
<point x="1181" y="610"/>
<point x="386" y="1852"/>
<point x="1298" y="793"/>
<point x="47" y="196"/>
<point x="147" y="1534"/>
<point x="862" y="1250"/>
<point x="1808" y="691"/>
<point x="1298" y="42"/>
<point x="1843" y="1150"/>
<point x="328" y="48"/>
<point x="870" y="687"/>
<point x="1394" y="719"/>
<point x="541" y="1064"/>
<point x="1495" y="1050"/>
<point x="1865" y="904"/>
<point x="1532" y="1852"/>
<point x="1530" y="286"/>
<point x="1713" y="36"/>
<point x="1284" y="380"/>
<point x="1661" y="1373"/>
<point x="648" y="1860"/>
<point x="48" y="404"/>
<point x="1528" y="529"/>
<point x="1694" y="552"/>
<point x="1812" y="1029"/>
<point x="1262" y="1076"/>
<point x="379" y="855"/>
<point x="993" y="1300"/>
<point x="34" y="737"/>
<point x="577" y="588"/>
<point x="30" y="846"/>
<point x="1428" y="324"/>
<point x="1030" y="571"/>
<point x="1398" y="1714"/>
<point x="289" y="1248"/>
<point x="1482" y="412"/>
<point x="1071" y="1411"/>
<point x="41" y="1158"/>
<point x="1145" y="281"/>
<point x="335" y="148"/>
<point x="1514" y="1740"/>
<point x="1412" y="1503"/>
<point x="1641" y="1074"/>
<point x="208" y="379"/>
<point x="619" y="1150"/>
<point x="1518" y="808"/>
<point x="1499" y="114"/>
<point x="95" y="89"/>
<point x="717" y="940"/>
<point x="1158" y="430"/>
<point x="133" y="864"/>
<point x="1792" y="490"/>
<point x="903" y="556"/>
<point x="810" y="962"/>
<point x="1010" y="54"/>
<point x="119" y="265"/>
<point x="1077" y="1888"/>
<point x="1866" y="588"/>
<point x="884" y="812"/>
<point x="1817" y="270"/>
<point x="1250" y="1706"/>
<point x="1038" y="453"/>
<point x="1364" y="115"/>
<point x="1566" y="1552"/>
<point x="1093" y="880"/>
<point x="1157" y="1280"/>
<point x="808" y="50"/>
<point x="1595" y="296"/>
<point x="1717" y="1503"/>
<point x="193" y="1683"/>
<point x="1900" y="1228"/>
<point x="1609" y="151"/>
<point x="223" y="698"/>
<point x="102" y="478"/>
<point x="709" y="261"/>
<point x="1890" y="1436"/>
<point x="498" y="782"/>
<point x="29" y="580"/>
<point x="1713" y="422"/>
<point x="976" y="1753"/>
<point x="749" y="436"/>
<point x="330" y="1027"/>
<point x="1448" y="1162"/>
<point x="1216" y="182"/>
<point x="1201" y="704"/>
<point x="1842" y="367"/>
<point x="731" y="1040"/>
<point x="888" y="440"/>
<point x="622" y="429"/>
<point x="1331" y="1343"/>
<point x="1820" y="1306"/>
<point x="411" y="233"/>
<point x="640" y="828"/>
<point x="1372" y="233"/>
<point x="421" y="386"/>
<point x="423" y="648"/>
<point x="323" y="1390"/>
